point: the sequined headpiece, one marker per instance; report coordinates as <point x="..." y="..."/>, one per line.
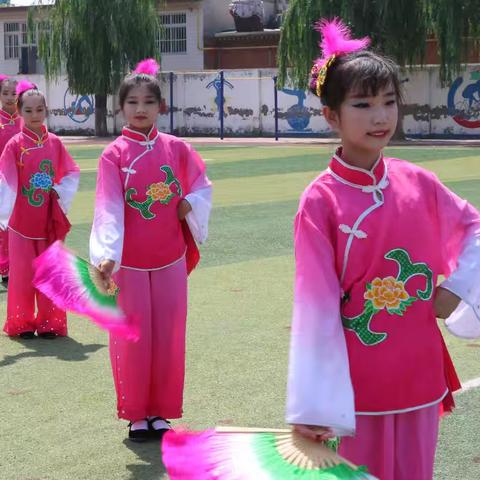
<point x="336" y="41"/>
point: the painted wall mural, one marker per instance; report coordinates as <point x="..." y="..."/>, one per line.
<point x="78" y="108"/>
<point x="430" y="110"/>
<point x="298" y="115"/>
<point x="217" y="85"/>
<point x="464" y="100"/>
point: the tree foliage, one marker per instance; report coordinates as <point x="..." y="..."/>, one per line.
<point x="399" y="28"/>
<point x="95" y="42"/>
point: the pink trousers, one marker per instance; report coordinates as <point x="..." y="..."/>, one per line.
<point x="4" y="253"/>
<point x="397" y="446"/>
<point x="149" y="374"/>
<point x="22" y="295"/>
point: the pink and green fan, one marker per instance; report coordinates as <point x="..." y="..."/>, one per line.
<point x="228" y="453"/>
<point x="74" y="284"/>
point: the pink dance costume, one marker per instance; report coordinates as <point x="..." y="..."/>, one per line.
<point x="30" y="167"/>
<point x="141" y="179"/>
<point x="10" y="125"/>
<point x="367" y="358"/>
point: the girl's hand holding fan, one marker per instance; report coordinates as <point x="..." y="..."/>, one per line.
<point x="106" y="270"/>
<point x="312" y="432"/>
<point x="74" y="284"/>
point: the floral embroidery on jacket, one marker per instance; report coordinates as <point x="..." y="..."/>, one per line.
<point x="39" y="181"/>
<point x="157" y="192"/>
<point x="389" y="294"/>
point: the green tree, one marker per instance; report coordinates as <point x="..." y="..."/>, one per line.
<point x="399" y="28"/>
<point x="95" y="43"/>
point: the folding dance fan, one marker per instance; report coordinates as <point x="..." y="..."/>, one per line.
<point x="74" y="284"/>
<point x="253" y="454"/>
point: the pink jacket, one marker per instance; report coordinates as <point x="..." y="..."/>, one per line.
<point x="31" y="166"/>
<point x="369" y="248"/>
<point x="141" y="179"/>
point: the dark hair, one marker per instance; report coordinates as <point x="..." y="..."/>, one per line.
<point x="136" y="79"/>
<point x="8" y="81"/>
<point x="365" y="72"/>
<point x="30" y="93"/>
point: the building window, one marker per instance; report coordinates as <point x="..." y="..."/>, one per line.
<point x="11" y="32"/>
<point x="172" y="38"/>
<point x="15" y="36"/>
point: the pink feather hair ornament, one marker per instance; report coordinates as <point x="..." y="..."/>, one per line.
<point x="3" y="77"/>
<point x="23" y="86"/>
<point x="336" y="41"/>
<point x="149" y="66"/>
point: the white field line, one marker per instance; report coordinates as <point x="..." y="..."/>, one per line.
<point x="470" y="384"/>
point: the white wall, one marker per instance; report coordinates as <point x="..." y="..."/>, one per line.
<point x="433" y="110"/>
<point x="67" y="112"/>
<point x="249" y="105"/>
<point x="430" y="110"/>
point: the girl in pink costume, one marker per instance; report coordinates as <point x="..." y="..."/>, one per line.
<point x="372" y="235"/>
<point x="34" y="166"/>
<point x="152" y="195"/>
<point x="10" y="125"/>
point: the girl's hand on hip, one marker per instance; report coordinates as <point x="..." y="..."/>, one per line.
<point x="183" y="208"/>
<point x="445" y="302"/>
<point x="313" y="432"/>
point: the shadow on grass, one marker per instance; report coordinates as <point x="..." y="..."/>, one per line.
<point x="62" y="348"/>
<point x="151" y="454"/>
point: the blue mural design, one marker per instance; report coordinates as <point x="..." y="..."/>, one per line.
<point x="80" y="109"/>
<point x="217" y="85"/>
<point x="464" y="105"/>
<point x="298" y="116"/>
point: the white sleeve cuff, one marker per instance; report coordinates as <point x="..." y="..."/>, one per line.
<point x="7" y="202"/>
<point x="106" y="237"/>
<point x="319" y="386"/>
<point x="464" y="322"/>
<point x="100" y="252"/>
<point x="66" y="190"/>
<point x="197" y="218"/>
<point x="464" y="282"/>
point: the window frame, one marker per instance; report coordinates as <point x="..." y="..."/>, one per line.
<point x="15" y="36"/>
<point x="173" y="36"/>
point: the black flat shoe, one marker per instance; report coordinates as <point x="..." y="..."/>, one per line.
<point x="48" y="335"/>
<point x="162" y="428"/>
<point x="140" y="435"/>
<point x="27" y="335"/>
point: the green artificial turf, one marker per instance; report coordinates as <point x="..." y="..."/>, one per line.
<point x="57" y="403"/>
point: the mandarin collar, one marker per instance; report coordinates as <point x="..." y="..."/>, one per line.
<point x="7" y="116"/>
<point x="140" y="137"/>
<point x="355" y="175"/>
<point x="37" y="139"/>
